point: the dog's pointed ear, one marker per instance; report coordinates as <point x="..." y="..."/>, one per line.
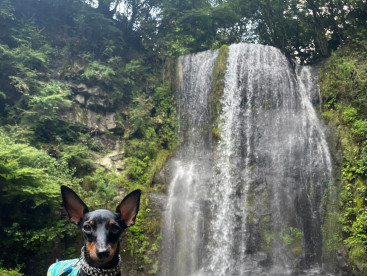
<point x="129" y="207"/>
<point x="73" y="205"/>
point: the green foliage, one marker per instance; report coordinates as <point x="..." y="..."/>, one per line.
<point x="20" y="66"/>
<point x="358" y="255"/>
<point x="3" y="95"/>
<point x="98" y="72"/>
<point x="78" y="157"/>
<point x="101" y="187"/>
<point x="140" y="117"/>
<point x="135" y="168"/>
<point x="45" y="104"/>
<point x="6" y="272"/>
<point x="359" y="230"/>
<point x="293" y="239"/>
<point x="164" y="116"/>
<point x="151" y="134"/>
<point x="29" y="183"/>
<point x="6" y="10"/>
<point x="344" y="89"/>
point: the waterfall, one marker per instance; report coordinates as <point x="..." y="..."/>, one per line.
<point x="184" y="219"/>
<point x="250" y="203"/>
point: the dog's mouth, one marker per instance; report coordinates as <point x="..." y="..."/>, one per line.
<point x="100" y="262"/>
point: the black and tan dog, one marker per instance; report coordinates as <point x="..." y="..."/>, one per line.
<point x="101" y="229"/>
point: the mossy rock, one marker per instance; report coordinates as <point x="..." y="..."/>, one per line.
<point x="217" y="90"/>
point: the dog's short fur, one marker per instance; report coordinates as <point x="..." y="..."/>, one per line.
<point x="101" y="228"/>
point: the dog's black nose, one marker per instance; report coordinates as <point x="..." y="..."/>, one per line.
<point x="102" y="254"/>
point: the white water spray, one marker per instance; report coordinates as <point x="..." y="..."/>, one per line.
<point x="251" y="203"/>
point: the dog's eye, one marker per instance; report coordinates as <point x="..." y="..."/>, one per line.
<point x="87" y="228"/>
<point x="115" y="229"/>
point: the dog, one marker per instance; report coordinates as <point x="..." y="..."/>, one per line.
<point x="101" y="229"/>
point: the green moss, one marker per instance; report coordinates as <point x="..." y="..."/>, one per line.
<point x="267" y="104"/>
<point x="216" y="133"/>
<point x="331" y="230"/>
<point x="251" y="197"/>
<point x="251" y="218"/>
<point x="217" y="90"/>
<point x="154" y="269"/>
<point x="266" y="197"/>
<point x="267" y="233"/>
<point x="293" y="239"/>
<point x="158" y="163"/>
<point x="267" y="237"/>
<point x="297" y="251"/>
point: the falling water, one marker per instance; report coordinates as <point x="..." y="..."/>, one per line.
<point x="250" y="203"/>
<point x="184" y="221"/>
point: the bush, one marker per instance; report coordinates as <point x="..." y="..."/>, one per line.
<point x="29" y="201"/>
<point x="344" y="90"/>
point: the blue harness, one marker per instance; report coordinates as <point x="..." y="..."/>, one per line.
<point x="64" y="268"/>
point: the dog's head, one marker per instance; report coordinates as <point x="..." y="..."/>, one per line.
<point x="101" y="228"/>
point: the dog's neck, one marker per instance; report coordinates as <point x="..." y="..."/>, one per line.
<point x="111" y="268"/>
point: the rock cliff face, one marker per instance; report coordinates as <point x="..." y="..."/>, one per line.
<point x="93" y="108"/>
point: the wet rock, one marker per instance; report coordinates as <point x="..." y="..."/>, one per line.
<point x="157" y="201"/>
<point x="160" y="177"/>
<point x="165" y="175"/>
